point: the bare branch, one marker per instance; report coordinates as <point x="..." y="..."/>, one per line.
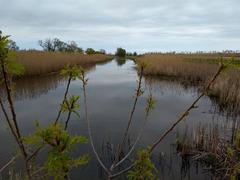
<point x="9" y="98"/>
<point x="8" y="120"/>
<point x="192" y="106"/>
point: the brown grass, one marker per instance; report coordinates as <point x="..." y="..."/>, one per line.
<point x="38" y="63"/>
<point x="196" y="70"/>
<point x="177" y="66"/>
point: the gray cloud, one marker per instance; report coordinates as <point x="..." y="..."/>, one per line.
<point x="142" y="25"/>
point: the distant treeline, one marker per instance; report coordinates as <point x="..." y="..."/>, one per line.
<point x="56" y="45"/>
<point x="220" y="53"/>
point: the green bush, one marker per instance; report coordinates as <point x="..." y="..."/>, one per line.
<point x="121" y="52"/>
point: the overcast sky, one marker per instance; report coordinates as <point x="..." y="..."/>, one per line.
<point x="141" y="25"/>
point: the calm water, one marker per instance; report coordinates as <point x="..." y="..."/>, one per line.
<point x="110" y="96"/>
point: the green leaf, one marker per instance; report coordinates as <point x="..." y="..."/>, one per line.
<point x="71" y="105"/>
<point x="59" y="161"/>
<point x="143" y="167"/>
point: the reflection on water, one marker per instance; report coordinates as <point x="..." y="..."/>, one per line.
<point x="30" y="88"/>
<point x="120" y="61"/>
<point x="110" y="94"/>
<point x="34" y="87"/>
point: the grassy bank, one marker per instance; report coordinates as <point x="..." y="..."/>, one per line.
<point x="197" y="70"/>
<point x="39" y="63"/>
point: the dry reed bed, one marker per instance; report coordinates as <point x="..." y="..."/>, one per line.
<point x="38" y="63"/>
<point x="194" y="70"/>
<point x="217" y="148"/>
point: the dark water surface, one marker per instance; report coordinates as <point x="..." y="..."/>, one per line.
<point x="110" y="96"/>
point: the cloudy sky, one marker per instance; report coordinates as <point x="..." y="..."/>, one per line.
<point x="141" y="25"/>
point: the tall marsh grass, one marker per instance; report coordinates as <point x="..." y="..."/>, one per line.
<point x="38" y="63"/>
<point x="197" y="70"/>
<point x="215" y="146"/>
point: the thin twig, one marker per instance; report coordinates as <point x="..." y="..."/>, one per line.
<point x="7" y="164"/>
<point x="37" y="171"/>
<point x="8" y="120"/>
<point x="134" y="144"/>
<point x="30" y="157"/>
<point x="69" y="115"/>
<point x="88" y="123"/>
<point x="147" y="111"/>
<point x="64" y="98"/>
<point x="122" y="172"/>
<point x="138" y="93"/>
